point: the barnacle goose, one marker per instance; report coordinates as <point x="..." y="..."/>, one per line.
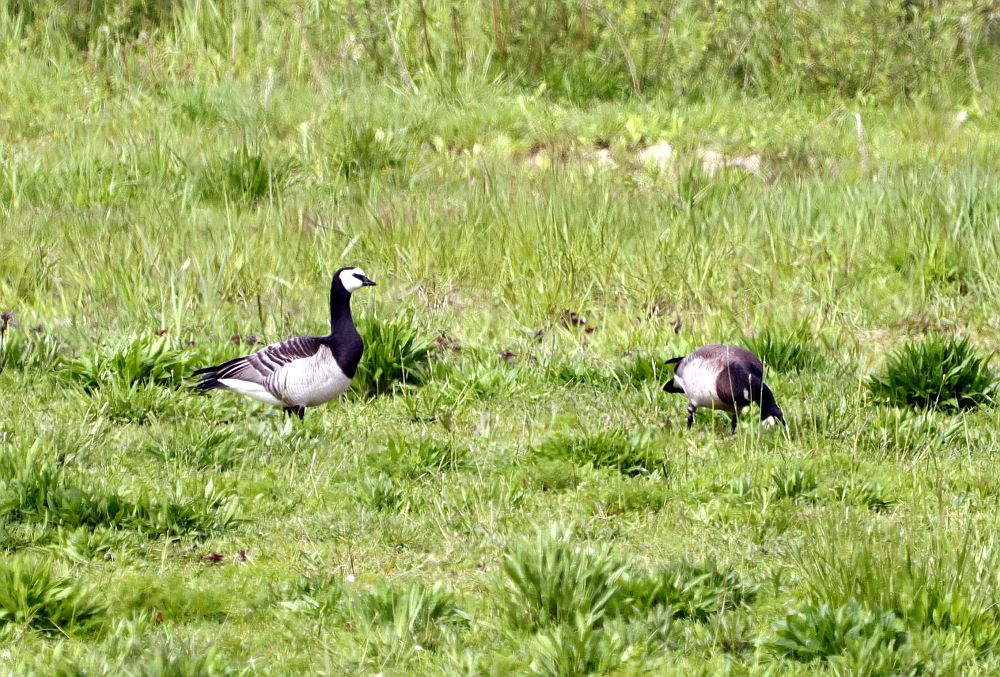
<point x="304" y="371"/>
<point x="728" y="378"/>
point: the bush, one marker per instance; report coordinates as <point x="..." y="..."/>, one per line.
<point x="18" y="351"/>
<point x="406" y="617"/>
<point x="131" y="361"/>
<point x="628" y="454"/>
<point x="688" y="590"/>
<point x="785" y="350"/>
<point x="549" y="580"/>
<point x="818" y="632"/>
<point x="937" y="373"/>
<point x="395" y="353"/>
<point x="245" y="176"/>
<point x="417" y="457"/>
<point x="364" y="151"/>
<point x="32" y="595"/>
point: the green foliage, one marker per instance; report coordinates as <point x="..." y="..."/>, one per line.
<point x="218" y="449"/>
<point x="942" y="582"/>
<point x="424" y="456"/>
<point x="407" y="617"/>
<point x="642" y="368"/>
<point x="575" y="648"/>
<point x="36" y="489"/>
<point x="786" y="350"/>
<point x="550" y="580"/>
<point x="396" y="352"/>
<point x="810" y="632"/>
<point x="364" y="151"/>
<point x="381" y="492"/>
<point x="611" y="448"/>
<point x="792" y="483"/>
<point x="131" y="361"/>
<point x="32" y="595"/>
<point x="317" y="595"/>
<point x="872" y="495"/>
<point x="694" y="590"/>
<point x="905" y="433"/>
<point x="939" y="372"/>
<point x="246" y="176"/>
<point x="183" y="659"/>
<point x="33" y="350"/>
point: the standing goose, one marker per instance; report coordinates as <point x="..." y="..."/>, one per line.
<point x="304" y="371"/>
<point x="723" y="377"/>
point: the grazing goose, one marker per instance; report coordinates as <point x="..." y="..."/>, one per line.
<point x="723" y="377"/>
<point x="304" y="371"/>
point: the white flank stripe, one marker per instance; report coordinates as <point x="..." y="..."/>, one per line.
<point x="250" y="389"/>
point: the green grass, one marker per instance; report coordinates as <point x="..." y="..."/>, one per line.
<point x="506" y="489"/>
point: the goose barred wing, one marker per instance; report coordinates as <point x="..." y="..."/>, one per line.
<point x="261" y="366"/>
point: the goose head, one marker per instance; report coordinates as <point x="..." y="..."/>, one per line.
<point x="352" y="278"/>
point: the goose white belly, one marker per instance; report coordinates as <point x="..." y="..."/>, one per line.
<point x="699" y="382"/>
<point x="312" y="380"/>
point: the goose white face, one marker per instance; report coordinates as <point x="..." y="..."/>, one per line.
<point x="353" y="279"/>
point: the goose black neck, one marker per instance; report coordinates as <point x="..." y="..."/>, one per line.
<point x="340" y="307"/>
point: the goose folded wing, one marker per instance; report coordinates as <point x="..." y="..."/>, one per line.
<point x="262" y="365"/>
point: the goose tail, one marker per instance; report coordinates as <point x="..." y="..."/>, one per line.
<point x="208" y="379"/>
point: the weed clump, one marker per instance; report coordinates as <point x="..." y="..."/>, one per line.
<point x="32" y="595"/>
<point x="363" y="151"/>
<point x="246" y="176"/>
<point x="813" y="632"/>
<point x="395" y="353"/>
<point x="416" y="457"/>
<point x="786" y="350"/>
<point x="688" y="590"/>
<point x="615" y="449"/>
<point x="131" y="361"/>
<point x="937" y="373"/>
<point x="400" y="618"/>
<point x="549" y="580"/>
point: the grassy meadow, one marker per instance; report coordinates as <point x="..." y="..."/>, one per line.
<point x="506" y="490"/>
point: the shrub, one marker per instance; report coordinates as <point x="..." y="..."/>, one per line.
<point x="549" y="580"/>
<point x="416" y="457"/>
<point x="395" y="353"/>
<point x="406" y="617"/>
<point x="939" y="373"/>
<point x="628" y="454"/>
<point x="131" y="361"/>
<point x="382" y="493"/>
<point x="946" y="582"/>
<point x="687" y="589"/>
<point x="19" y="351"/>
<point x="363" y="151"/>
<point x="642" y="368"/>
<point x="817" y="632"/>
<point x="785" y="350"/>
<point x="246" y="176"/>
<point x="792" y="483"/>
<point x="32" y="595"/>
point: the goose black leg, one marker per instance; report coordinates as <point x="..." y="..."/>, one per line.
<point x="299" y="411"/>
<point x="691" y="410"/>
<point x="733" y="428"/>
